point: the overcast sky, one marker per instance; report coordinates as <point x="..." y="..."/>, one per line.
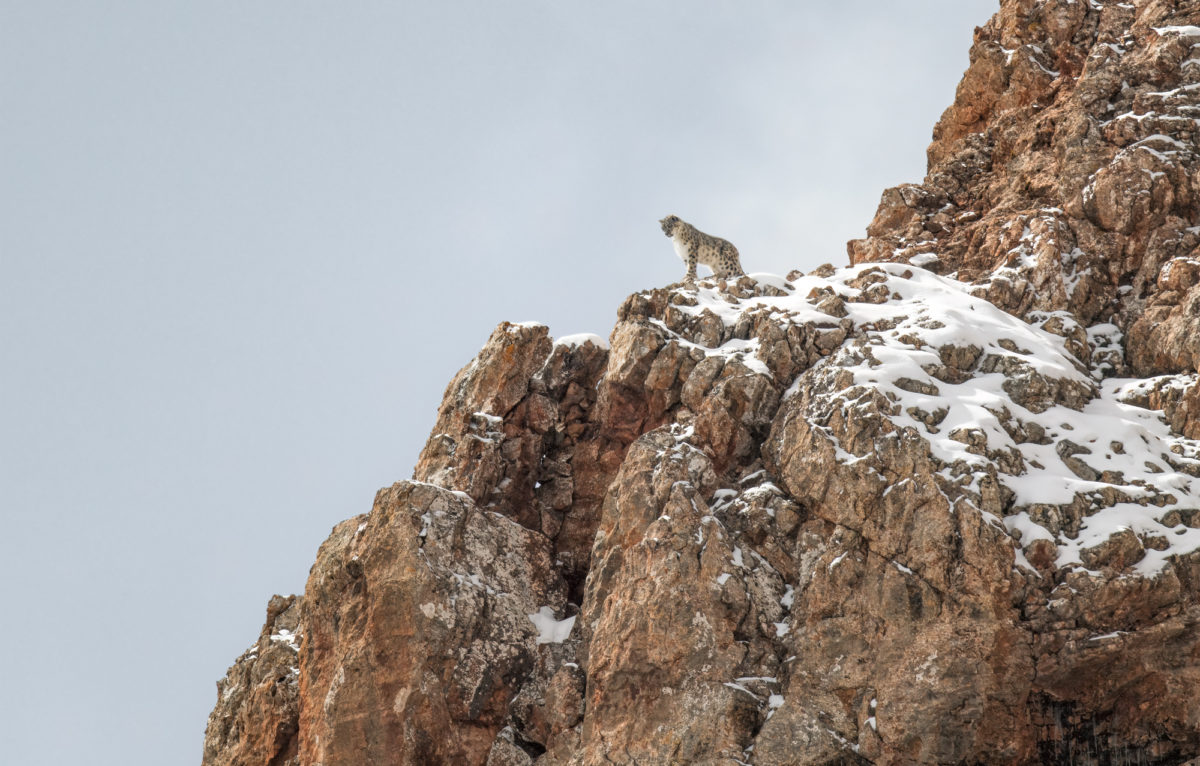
<point x="244" y="247"/>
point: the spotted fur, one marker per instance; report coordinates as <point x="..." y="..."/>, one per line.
<point x="694" y="246"/>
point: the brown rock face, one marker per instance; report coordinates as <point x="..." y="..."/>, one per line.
<point x="1064" y="175"/>
<point x="420" y="634"/>
<point x="907" y="512"/>
<point x="257" y="713"/>
<point x="519" y="432"/>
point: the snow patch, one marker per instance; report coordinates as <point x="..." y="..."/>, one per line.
<point x="580" y="339"/>
<point x="551" y="630"/>
<point x="1181" y="30"/>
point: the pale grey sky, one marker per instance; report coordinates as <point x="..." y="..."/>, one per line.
<point x="244" y="247"/>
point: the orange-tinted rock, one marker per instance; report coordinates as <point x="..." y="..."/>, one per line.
<point x="820" y="521"/>
<point x="257" y="716"/>
<point x="1077" y="114"/>
<point x="419" y="631"/>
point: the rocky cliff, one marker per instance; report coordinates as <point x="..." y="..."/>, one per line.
<point x="941" y="506"/>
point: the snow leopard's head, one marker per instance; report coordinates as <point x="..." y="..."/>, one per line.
<point x="669" y="223"/>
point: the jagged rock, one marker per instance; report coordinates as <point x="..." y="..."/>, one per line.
<point x="1062" y="177"/>
<point x="419" y="630"/>
<point x="901" y="513"/>
<point x="257" y="716"/>
<point x="866" y="560"/>
<point x="505" y="751"/>
<point x="661" y="634"/>
<point x="1166" y="339"/>
<point x="516" y="432"/>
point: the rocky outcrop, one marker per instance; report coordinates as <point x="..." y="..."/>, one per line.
<point x="942" y="506"/>
<point x="419" y="636"/>
<point x="870" y="517"/>
<point x="1064" y="175"/>
<point x="520" y="431"/>
<point x="256" y="719"/>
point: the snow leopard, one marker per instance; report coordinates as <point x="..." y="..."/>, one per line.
<point x="694" y="246"/>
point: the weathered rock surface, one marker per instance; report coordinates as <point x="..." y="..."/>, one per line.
<point x="1064" y="175"/>
<point x="256" y="719"/>
<point x="518" y="431"/>
<point x="908" y="512"/>
<point x="419" y="636"/>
